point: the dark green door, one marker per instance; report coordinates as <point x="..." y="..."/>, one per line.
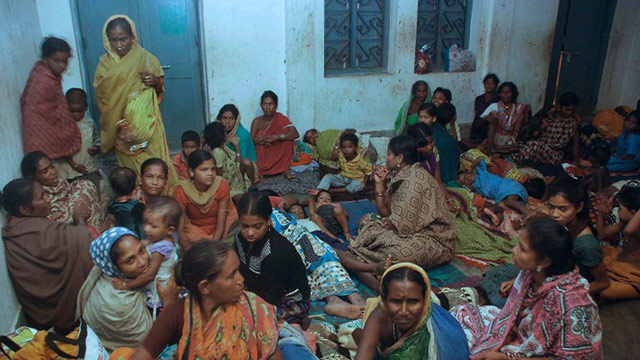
<point x="169" y="30"/>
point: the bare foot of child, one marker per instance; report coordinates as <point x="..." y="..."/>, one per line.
<point x="382" y="266"/>
<point x="338" y="307"/>
<point x="495" y="219"/>
<point x="356" y="299"/>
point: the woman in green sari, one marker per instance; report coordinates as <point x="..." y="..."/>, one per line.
<point x="408" y="114"/>
<point x="129" y="87"/>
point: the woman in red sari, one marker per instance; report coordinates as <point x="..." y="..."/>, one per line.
<point x="273" y="135"/>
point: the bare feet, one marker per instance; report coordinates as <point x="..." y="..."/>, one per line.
<point x="495" y="219"/>
<point x="288" y="175"/>
<point x="356" y="299"/>
<point x="382" y="266"/>
<point x="339" y="307"/>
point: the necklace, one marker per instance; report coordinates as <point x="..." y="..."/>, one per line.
<point x="395" y="332"/>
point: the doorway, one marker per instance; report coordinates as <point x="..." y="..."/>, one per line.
<point x="579" y="50"/>
<point x="170" y="31"/>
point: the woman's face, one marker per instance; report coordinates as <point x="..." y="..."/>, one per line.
<point x="46" y="172"/>
<point x="404" y="303"/>
<point x="630" y="123"/>
<point x="393" y="160"/>
<point x="228" y="285"/>
<point x="40" y="205"/>
<point x="120" y="40"/>
<point x="154" y="180"/>
<point x="324" y="198"/>
<point x="57" y="62"/>
<point x="427" y="149"/>
<point x="228" y="121"/>
<point x="268" y="106"/>
<point x="524" y="257"/>
<point x="133" y="260"/>
<point x="568" y="110"/>
<point x="506" y="95"/>
<point x="421" y="92"/>
<point x="489" y="86"/>
<point x="205" y="173"/>
<point x="438" y="98"/>
<point x="297" y="210"/>
<point x="424" y="117"/>
<point x="562" y="210"/>
<point x="311" y="136"/>
<point x="253" y="228"/>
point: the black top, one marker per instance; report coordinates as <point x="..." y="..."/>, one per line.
<point x="273" y="269"/>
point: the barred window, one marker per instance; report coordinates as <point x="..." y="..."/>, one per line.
<point x="442" y="23"/>
<point x="355" y="35"/>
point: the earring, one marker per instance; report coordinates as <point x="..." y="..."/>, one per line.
<point x="398" y="166"/>
<point x="538" y="268"/>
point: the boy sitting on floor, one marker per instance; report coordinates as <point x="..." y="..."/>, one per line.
<point x="190" y="143"/>
<point x="354" y="168"/>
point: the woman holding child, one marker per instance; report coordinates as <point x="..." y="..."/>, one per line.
<point x="129" y="87"/>
<point x="416" y="225"/>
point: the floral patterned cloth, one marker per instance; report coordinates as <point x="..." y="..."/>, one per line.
<point x="558" y="321"/>
<point x="65" y="197"/>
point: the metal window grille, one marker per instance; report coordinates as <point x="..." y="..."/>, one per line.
<point x="442" y="23"/>
<point x="355" y="35"/>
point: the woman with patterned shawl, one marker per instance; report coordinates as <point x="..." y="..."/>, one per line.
<point x="419" y="330"/>
<point x="416" y="225"/>
<point x="327" y="278"/>
<point x="218" y="319"/>
<point x="549" y="313"/>
<point x="129" y="87"/>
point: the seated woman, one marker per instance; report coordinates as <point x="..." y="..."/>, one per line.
<point x="208" y="212"/>
<point x="269" y="263"/>
<point x="408" y="114"/>
<point x="414" y="223"/>
<point x="325" y="148"/>
<point x="218" y="319"/>
<point x="627" y="154"/>
<point x="448" y="147"/>
<point x="428" y="154"/>
<point x="405" y="323"/>
<point x="47" y="260"/>
<point x="327" y="278"/>
<point x="505" y="117"/>
<point x="560" y="129"/>
<point x="549" y="313"/>
<point x="119" y="317"/>
<point x="273" y="135"/>
<point x="480" y="126"/>
<point x="229" y="116"/>
<point x="237" y="172"/>
<point x="154" y="177"/>
<point x="65" y="198"/>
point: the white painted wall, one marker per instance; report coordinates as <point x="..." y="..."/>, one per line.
<point x="20" y="48"/>
<point x="56" y="20"/>
<point x="620" y="84"/>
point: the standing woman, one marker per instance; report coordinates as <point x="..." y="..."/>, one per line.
<point x="47" y="123"/>
<point x="129" y="87"/>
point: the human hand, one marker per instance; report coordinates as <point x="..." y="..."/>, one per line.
<point x="80" y="213"/>
<point x="387" y="224"/>
<point x="235" y="141"/>
<point x="380" y="174"/>
<point x="119" y="283"/>
<point x="168" y="291"/>
<point x="493" y="355"/>
<point x="149" y="79"/>
<point x="93" y="150"/>
<point x="313" y="192"/>
<point x="283" y="206"/>
<point x="505" y="288"/>
<point x="81" y="169"/>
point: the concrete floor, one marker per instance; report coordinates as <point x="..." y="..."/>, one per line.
<point x="621" y="330"/>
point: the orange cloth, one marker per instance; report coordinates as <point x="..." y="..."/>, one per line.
<point x="609" y="122"/>
<point x="181" y="166"/>
<point x="203" y="224"/>
<point x="304" y="160"/>
<point x="121" y="354"/>
<point x="624" y="276"/>
<point x="275" y="158"/>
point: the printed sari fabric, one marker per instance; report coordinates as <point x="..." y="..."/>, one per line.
<point x="65" y="197"/>
<point x="275" y="158"/>
<point x="437" y="335"/>
<point x="507" y="119"/>
<point x="559" y="321"/>
<point x="47" y="124"/>
<point x="325" y="273"/>
<point x="551" y="146"/>
<point x="225" y="158"/>
<point x="424" y="235"/>
<point x="131" y="121"/>
<point x="245" y="329"/>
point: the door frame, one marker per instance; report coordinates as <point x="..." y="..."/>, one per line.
<point x="558" y="39"/>
<point x="88" y="84"/>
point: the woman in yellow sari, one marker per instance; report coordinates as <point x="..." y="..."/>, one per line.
<point x="129" y="87"/>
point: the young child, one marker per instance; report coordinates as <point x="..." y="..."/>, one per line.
<point x="269" y="263"/>
<point x="301" y="216"/>
<point x="190" y="143"/>
<point x="506" y="192"/>
<point x="328" y="215"/>
<point x="448" y="147"/>
<point x="125" y="208"/>
<point x="82" y="164"/>
<point x="354" y="168"/>
<point x="161" y="220"/>
<point x="443" y="96"/>
<point x="627" y="154"/>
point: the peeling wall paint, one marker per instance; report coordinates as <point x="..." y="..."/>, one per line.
<point x="20" y="48"/>
<point x="620" y="84"/>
